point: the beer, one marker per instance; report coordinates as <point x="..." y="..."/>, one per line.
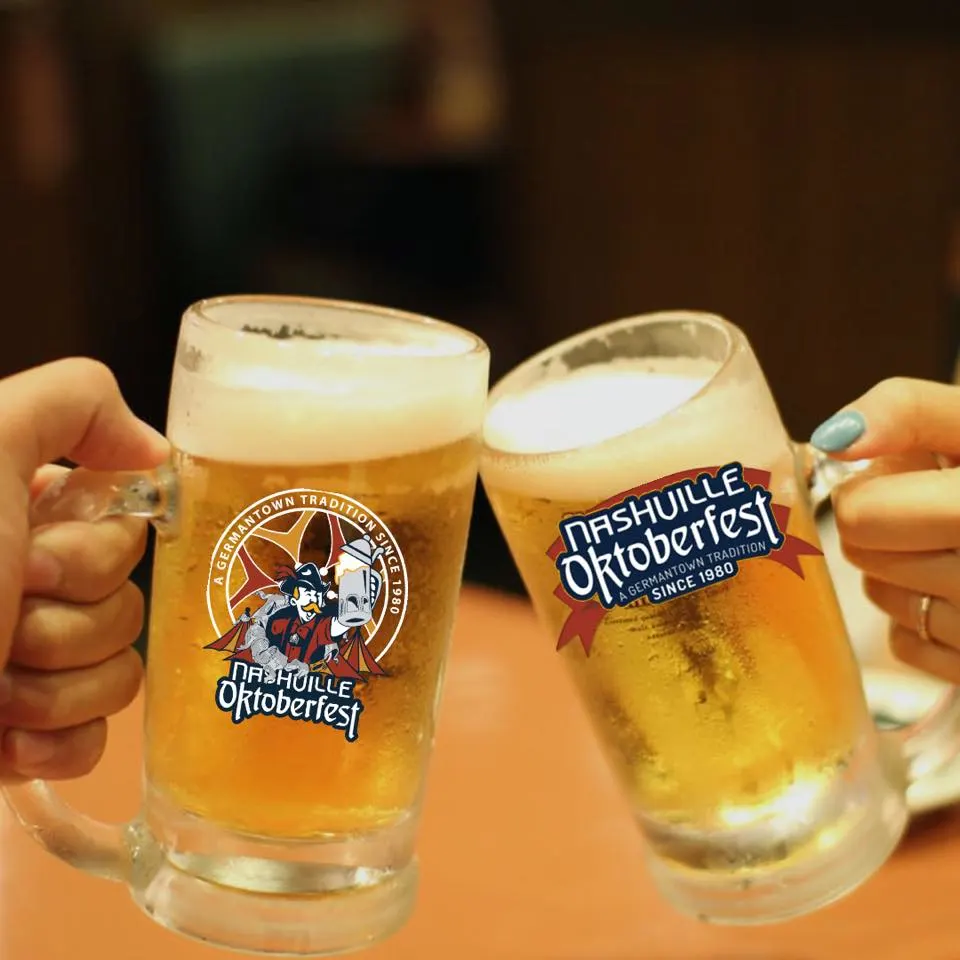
<point x="334" y="455"/>
<point x="719" y="708"/>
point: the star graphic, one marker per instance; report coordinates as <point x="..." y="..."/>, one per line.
<point x="291" y="540"/>
<point x="254" y="578"/>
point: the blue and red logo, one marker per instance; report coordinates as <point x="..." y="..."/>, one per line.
<point x="307" y="593"/>
<point x="668" y="538"/>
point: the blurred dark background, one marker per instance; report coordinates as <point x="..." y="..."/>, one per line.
<point x="523" y="168"/>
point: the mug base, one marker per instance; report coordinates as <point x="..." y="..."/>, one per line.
<point x="280" y="924"/>
<point x="835" y="867"/>
<point x="271" y="896"/>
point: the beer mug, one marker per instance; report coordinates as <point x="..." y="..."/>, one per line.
<point x="285" y="747"/>
<point x="661" y="520"/>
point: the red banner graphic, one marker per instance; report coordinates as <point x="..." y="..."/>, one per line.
<point x="586" y="615"/>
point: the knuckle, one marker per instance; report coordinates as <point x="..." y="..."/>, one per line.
<point x="129" y="539"/>
<point x="105" y="555"/>
<point x="140" y="531"/>
<point x="79" y="751"/>
<point x="932" y="659"/>
<point x="39" y="636"/>
<point x="48" y="708"/>
<point x="92" y="373"/>
<point x="875" y="591"/>
<point x="133" y="606"/>
<point x="900" y="398"/>
<point x="950" y="585"/>
<point x="889" y="599"/>
<point x="61" y="700"/>
<point x="905" y="646"/>
<point x="129" y="675"/>
<point x="53" y="636"/>
<point x="96" y="744"/>
<point x="853" y="555"/>
<point x="82" y="761"/>
<point x="123" y="621"/>
<point x="898" y="392"/>
<point x="851" y="515"/>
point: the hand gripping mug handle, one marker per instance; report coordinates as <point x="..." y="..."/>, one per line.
<point x="105" y="850"/>
<point x="927" y="744"/>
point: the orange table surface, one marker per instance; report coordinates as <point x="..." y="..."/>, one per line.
<point x="527" y="849"/>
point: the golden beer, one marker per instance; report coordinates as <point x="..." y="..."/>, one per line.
<point x="276" y="776"/>
<point x="725" y="697"/>
<point x="720" y="710"/>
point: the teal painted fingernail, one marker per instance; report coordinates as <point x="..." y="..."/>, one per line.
<point x="837" y="433"/>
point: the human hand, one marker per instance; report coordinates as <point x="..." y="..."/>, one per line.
<point x="68" y="614"/>
<point x="899" y="521"/>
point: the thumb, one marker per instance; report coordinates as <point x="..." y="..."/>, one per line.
<point x="73" y="408"/>
<point x="896" y="416"/>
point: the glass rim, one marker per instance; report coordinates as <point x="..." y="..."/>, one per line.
<point x="733" y="338"/>
<point x="199" y="314"/>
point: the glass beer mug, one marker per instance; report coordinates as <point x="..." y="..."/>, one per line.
<point x="303" y="598"/>
<point x="661" y="520"/>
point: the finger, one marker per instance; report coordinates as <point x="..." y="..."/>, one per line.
<point x="73" y="408"/>
<point x="67" y="698"/>
<point x="54" y="755"/>
<point x="895" y="416"/>
<point x="83" y="562"/>
<point x="916" y="511"/>
<point x="933" y="658"/>
<point x="64" y="636"/>
<point x="41" y="572"/>
<point x="935" y="573"/>
<point x="903" y="607"/>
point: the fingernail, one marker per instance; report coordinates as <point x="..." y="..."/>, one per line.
<point x="43" y="571"/>
<point x="30" y="750"/>
<point x="839" y="432"/>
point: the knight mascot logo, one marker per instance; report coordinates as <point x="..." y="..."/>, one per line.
<point x="303" y="640"/>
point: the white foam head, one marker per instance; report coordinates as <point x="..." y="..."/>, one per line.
<point x="340" y="383"/>
<point x="592" y="404"/>
<point x="603" y="428"/>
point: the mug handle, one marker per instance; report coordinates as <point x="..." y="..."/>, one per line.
<point x="929" y="743"/>
<point x="105" y="850"/>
